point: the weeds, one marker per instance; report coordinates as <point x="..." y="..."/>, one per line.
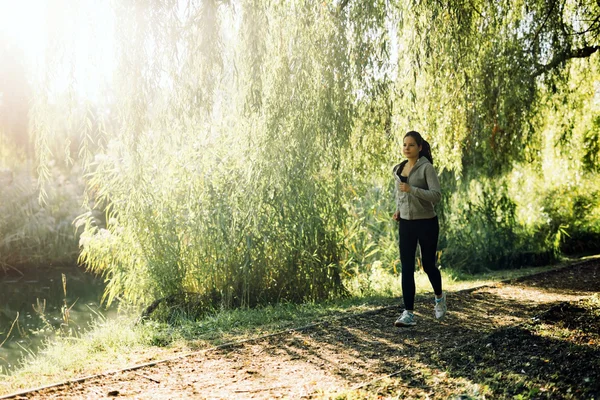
<point x="16" y="321"/>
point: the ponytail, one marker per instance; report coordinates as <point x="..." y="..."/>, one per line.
<point x="425" y="147"/>
<point x="426" y="151"/>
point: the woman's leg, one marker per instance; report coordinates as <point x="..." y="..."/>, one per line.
<point x="429" y="231"/>
<point x="408" y="246"/>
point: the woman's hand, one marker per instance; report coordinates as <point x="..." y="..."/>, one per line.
<point x="405" y="187"/>
<point x="396" y="216"/>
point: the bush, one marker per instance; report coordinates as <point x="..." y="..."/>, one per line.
<point x="573" y="216"/>
<point x="32" y="232"/>
<point x="479" y="230"/>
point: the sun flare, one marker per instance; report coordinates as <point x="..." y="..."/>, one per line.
<point x="59" y="44"/>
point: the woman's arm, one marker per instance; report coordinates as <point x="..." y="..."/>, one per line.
<point x="434" y="193"/>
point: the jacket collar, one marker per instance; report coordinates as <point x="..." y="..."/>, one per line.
<point x="421" y="161"/>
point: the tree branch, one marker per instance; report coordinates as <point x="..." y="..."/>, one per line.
<point x="539" y="30"/>
<point x="591" y="27"/>
<point x="561" y="57"/>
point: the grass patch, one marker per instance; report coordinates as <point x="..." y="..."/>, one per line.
<point x="107" y="344"/>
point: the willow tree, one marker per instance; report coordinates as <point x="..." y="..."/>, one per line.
<point x="246" y="157"/>
<point x="486" y="72"/>
<point x="478" y="68"/>
<point x="223" y="178"/>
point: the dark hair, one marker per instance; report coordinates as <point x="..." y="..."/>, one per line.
<point x="425" y="149"/>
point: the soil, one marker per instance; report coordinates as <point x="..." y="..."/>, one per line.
<point x="536" y="337"/>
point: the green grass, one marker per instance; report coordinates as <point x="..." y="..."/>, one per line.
<point x="119" y="342"/>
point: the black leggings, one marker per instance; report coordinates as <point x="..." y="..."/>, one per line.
<point x="425" y="232"/>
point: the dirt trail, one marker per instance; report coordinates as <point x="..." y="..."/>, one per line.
<point x="538" y="337"/>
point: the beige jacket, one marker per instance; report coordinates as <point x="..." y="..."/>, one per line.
<point x="424" y="193"/>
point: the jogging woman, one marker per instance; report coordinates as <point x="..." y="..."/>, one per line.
<point x="417" y="191"/>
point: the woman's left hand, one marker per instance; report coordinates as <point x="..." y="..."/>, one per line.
<point x="405" y="187"/>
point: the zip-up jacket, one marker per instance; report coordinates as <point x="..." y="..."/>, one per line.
<point x="424" y="193"/>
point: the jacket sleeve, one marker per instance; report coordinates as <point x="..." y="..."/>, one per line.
<point x="434" y="193"/>
<point x="397" y="196"/>
<point x="396" y="189"/>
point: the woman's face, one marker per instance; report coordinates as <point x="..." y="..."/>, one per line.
<point x="410" y="149"/>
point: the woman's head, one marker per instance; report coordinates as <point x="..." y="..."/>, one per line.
<point x="415" y="140"/>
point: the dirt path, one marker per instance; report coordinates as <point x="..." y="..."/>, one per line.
<point x="538" y="337"/>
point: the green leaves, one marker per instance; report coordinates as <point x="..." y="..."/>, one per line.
<point x="246" y="151"/>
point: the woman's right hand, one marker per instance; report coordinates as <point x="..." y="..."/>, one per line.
<point x="396" y="216"/>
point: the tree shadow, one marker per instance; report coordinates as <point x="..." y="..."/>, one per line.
<point x="502" y="338"/>
<point x="518" y="361"/>
<point x="368" y="345"/>
<point x="583" y="278"/>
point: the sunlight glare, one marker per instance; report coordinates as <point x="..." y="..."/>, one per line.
<point x="64" y="45"/>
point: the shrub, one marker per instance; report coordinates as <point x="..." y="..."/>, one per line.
<point x="34" y="232"/>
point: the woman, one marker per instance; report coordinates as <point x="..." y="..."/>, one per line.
<point x="417" y="191"/>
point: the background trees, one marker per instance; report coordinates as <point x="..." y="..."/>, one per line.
<point x="243" y="149"/>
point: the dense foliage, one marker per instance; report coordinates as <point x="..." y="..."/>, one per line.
<point x="247" y="150"/>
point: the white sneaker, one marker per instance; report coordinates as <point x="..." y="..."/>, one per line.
<point x="406" y="319"/>
<point x="440" y="307"/>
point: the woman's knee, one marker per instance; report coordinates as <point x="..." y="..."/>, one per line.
<point x="407" y="267"/>
<point x="430" y="267"/>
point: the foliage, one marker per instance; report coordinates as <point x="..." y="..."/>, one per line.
<point x="246" y="152"/>
<point x="564" y="211"/>
<point x="471" y="73"/>
<point x="480" y="230"/>
<point x="38" y="234"/>
<point x="242" y="206"/>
